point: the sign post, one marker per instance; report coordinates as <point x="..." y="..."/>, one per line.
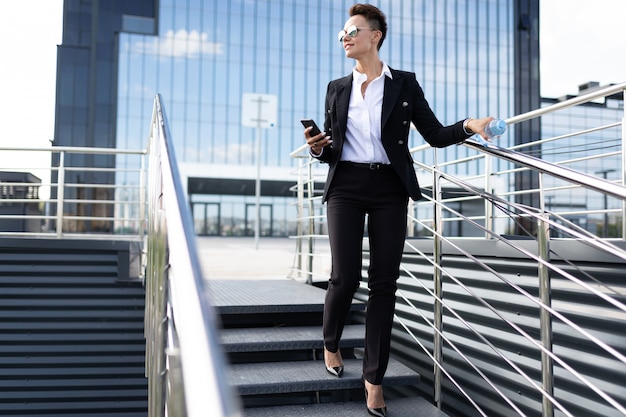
<point x="258" y="111"/>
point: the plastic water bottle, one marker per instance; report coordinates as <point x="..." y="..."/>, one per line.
<point x="495" y="128"/>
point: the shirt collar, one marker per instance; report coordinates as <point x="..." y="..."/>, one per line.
<point x="360" y="77"/>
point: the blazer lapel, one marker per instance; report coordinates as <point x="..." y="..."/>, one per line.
<point x="393" y="87"/>
<point x="342" y="100"/>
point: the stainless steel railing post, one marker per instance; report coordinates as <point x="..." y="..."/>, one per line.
<point x="624" y="168"/>
<point x="300" y="216"/>
<point x="438" y="286"/>
<point x="311" y="192"/>
<point x="142" y="198"/>
<point x="60" y="193"/>
<point x="489" y="219"/>
<point x="545" y="319"/>
<point x="410" y="225"/>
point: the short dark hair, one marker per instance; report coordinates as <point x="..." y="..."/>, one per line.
<point x="374" y="16"/>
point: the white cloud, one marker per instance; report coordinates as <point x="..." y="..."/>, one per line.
<point x="180" y="44"/>
<point x="225" y="152"/>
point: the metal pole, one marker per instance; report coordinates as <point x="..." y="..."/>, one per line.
<point x="60" y="193"/>
<point x="311" y="192"/>
<point x="257" y="188"/>
<point x="437" y="287"/>
<point x="142" y="197"/>
<point x="489" y="219"/>
<point x="606" y="216"/>
<point x="624" y="168"/>
<point x="605" y="228"/>
<point x="410" y="226"/>
<point x="545" y="319"/>
<point x="299" y="225"/>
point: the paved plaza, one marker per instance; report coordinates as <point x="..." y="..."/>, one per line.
<point x="237" y="258"/>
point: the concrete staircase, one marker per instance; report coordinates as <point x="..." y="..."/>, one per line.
<point x="71" y="332"/>
<point x="272" y="334"/>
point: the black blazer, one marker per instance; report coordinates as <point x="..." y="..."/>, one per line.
<point x="403" y="103"/>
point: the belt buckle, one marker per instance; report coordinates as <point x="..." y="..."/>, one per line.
<point x="374" y="166"/>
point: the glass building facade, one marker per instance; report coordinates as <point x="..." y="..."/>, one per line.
<point x="86" y="99"/>
<point x="202" y="56"/>
<point x="209" y="53"/>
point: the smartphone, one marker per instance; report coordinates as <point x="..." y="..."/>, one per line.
<point x="310" y="122"/>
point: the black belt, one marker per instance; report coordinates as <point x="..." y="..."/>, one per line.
<point x="367" y="165"/>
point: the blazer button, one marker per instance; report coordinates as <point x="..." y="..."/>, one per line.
<point x="400" y="142"/>
<point x="405" y="104"/>
<point x="404" y="122"/>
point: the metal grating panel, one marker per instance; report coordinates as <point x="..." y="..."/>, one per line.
<point x="577" y="351"/>
<point x="71" y="334"/>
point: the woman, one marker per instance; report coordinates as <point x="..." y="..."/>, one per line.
<point x="367" y="119"/>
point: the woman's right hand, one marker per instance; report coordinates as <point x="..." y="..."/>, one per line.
<point x="317" y="142"/>
<point x="478" y="126"/>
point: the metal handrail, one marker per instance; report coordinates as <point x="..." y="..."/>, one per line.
<point x="620" y="253"/>
<point x="57" y="217"/>
<point x="184" y="363"/>
<point x="581" y="99"/>
<point x="545" y="219"/>
<point x="555" y="170"/>
<point x="186" y="368"/>
<point x="573" y="177"/>
<point x="75" y="149"/>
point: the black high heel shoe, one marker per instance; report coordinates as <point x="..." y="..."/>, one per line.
<point x="333" y="370"/>
<point x="376" y="412"/>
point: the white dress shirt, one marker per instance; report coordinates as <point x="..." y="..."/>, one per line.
<point x="363" y="142"/>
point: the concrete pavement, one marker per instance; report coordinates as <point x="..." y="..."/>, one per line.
<point x="237" y="258"/>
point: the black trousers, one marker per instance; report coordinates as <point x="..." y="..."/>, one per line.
<point x="355" y="192"/>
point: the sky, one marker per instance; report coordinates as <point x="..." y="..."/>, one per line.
<point x="30" y="31"/>
<point x="581" y="40"/>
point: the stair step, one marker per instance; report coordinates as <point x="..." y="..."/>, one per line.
<point x="94" y="361"/>
<point x="23" y="315"/>
<point x="58" y="281"/>
<point x="95" y="382"/>
<point x="401" y="407"/>
<point x="301" y="376"/>
<point x="73" y="406"/>
<point x="41" y="291"/>
<point x="65" y="372"/>
<point x="84" y="394"/>
<point x="125" y="413"/>
<point x="265" y="339"/>
<point x="86" y="303"/>
<point x="72" y="349"/>
<point x="93" y="258"/>
<point x="76" y="337"/>
<point x="92" y="326"/>
<point x="63" y="269"/>
<point x="266" y="296"/>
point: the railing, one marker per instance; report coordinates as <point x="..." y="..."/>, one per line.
<point x="184" y="363"/>
<point x="82" y="200"/>
<point x="534" y="324"/>
<point x="185" y="366"/>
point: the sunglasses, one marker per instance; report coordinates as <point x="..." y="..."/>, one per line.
<point x="351" y="31"/>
